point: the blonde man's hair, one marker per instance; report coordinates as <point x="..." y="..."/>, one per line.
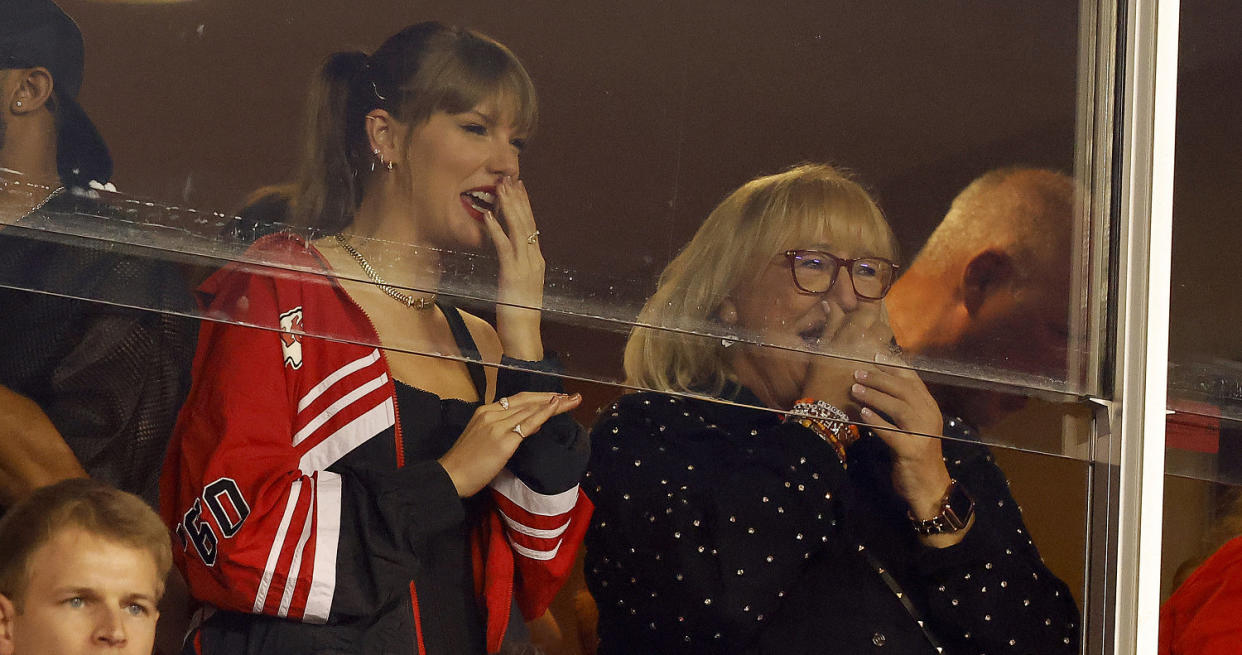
<point x="762" y="218"/>
<point x="82" y="503"/>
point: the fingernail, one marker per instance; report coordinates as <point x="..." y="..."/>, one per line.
<point x="858" y="389"/>
<point x="489" y="215"/>
<point x="866" y="412"/>
<point x="860" y="375"/>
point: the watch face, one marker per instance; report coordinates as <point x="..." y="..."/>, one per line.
<point x="959" y="508"/>
<point x="956" y="510"/>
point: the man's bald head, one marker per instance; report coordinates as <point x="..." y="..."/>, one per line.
<point x="991" y="288"/>
<point x="1025" y="212"/>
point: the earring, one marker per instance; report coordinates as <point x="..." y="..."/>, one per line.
<point x="19" y="104"/>
<point x="386" y="164"/>
<point x="727" y="342"/>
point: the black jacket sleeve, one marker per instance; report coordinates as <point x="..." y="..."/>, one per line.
<point x="992" y="592"/>
<point x="553" y="459"/>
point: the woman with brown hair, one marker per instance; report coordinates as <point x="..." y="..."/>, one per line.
<point x="740" y="510"/>
<point x="354" y="479"/>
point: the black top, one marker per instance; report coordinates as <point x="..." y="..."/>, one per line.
<point x="430" y="425"/>
<point x="80" y="339"/>
<point x="720" y="529"/>
<point x="437" y="557"/>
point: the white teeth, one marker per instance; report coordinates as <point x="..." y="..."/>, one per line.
<point x="483" y="196"/>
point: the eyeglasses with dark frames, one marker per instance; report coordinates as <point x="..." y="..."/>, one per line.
<point x="815" y="271"/>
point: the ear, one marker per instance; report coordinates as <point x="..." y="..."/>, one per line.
<point x="727" y="314"/>
<point x="985" y="274"/>
<point x="382" y="130"/>
<point x="8" y="613"/>
<point x="33" y="90"/>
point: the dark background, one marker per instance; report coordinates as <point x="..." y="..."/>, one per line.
<point x="651" y="111"/>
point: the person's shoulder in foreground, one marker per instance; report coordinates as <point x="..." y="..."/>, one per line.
<point x="82" y="569"/>
<point x="1201" y="617"/>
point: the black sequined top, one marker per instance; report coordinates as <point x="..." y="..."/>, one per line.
<point x="720" y="529"/>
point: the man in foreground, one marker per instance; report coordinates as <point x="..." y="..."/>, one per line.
<point x="82" y="569"/>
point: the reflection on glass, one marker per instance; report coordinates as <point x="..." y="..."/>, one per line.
<point x="397" y="469"/>
<point x="85" y="387"/>
<point x="1203" y="456"/>
<point x="991" y="288"/>
<point x="635" y="151"/>
<point x="722" y="528"/>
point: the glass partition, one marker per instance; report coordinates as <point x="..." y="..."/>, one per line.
<point x="1203" y="474"/>
<point x="974" y="128"/>
<point x="634" y="149"/>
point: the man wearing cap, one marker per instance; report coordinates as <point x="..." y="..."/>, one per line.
<point x="90" y="378"/>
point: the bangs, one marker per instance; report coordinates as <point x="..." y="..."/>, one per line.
<point x="480" y="70"/>
<point x="801" y="211"/>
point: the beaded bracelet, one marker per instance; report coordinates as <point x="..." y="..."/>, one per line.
<point x="831" y="424"/>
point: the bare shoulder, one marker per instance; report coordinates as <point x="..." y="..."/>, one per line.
<point x="484" y="336"/>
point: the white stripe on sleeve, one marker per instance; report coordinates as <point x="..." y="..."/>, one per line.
<point x="340" y="373"/>
<point x="532" y="501"/>
<point x="327" y="537"/>
<point x="296" y="565"/>
<point x="534" y="554"/>
<point x="348" y="437"/>
<point x="273" y="556"/>
<point x="341" y="403"/>
<point x="533" y="532"/>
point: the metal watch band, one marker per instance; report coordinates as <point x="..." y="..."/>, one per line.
<point x="956" y="508"/>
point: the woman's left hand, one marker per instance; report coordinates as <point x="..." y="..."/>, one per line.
<point x="919" y="473"/>
<point x="519" y="295"/>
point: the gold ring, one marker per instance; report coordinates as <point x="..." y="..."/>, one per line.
<point x="533" y="237"/>
<point x="504" y="402"/>
<point x="518" y="429"/>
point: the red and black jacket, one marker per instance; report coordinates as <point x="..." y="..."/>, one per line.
<point x="288" y="489"/>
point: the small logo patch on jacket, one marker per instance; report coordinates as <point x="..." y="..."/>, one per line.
<point x="291" y="337"/>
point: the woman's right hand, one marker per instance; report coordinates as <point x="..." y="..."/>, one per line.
<point x="490" y="439"/>
<point x="519" y="292"/>
<point x="859" y="336"/>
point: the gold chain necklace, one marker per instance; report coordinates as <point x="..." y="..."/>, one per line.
<point x="55" y="192"/>
<point x="404" y="298"/>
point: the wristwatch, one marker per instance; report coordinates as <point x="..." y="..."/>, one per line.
<point x="956" y="508"/>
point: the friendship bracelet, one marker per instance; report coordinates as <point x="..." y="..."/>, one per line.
<point x="830" y="423"/>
